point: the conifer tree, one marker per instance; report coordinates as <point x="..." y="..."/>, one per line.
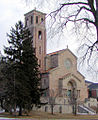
<point x="31" y="68"/>
<point x="3" y="81"/>
<point x="23" y="71"/>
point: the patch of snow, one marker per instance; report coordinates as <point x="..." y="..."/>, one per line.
<point x="3" y="118"/>
<point x="1" y="111"/>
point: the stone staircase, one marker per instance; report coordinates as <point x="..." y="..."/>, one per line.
<point x="85" y="110"/>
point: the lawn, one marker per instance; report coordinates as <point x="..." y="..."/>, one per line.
<point x="44" y="115"/>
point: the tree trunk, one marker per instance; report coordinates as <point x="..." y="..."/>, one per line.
<point x="75" y="108"/>
<point x="97" y="18"/>
<point x="20" y="110"/>
<point x="97" y="38"/>
<point x="96" y="4"/>
<point x="10" y="109"/>
<point x="6" y="110"/>
<point x="2" y="103"/>
<point x="52" y="109"/>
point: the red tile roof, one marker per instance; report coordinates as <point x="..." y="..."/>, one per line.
<point x="56" y="52"/>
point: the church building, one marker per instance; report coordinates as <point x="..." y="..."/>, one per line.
<point x="59" y="69"/>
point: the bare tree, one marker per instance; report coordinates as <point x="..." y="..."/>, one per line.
<point x="73" y="101"/>
<point x="79" y="12"/>
<point x="84" y="14"/>
<point x="82" y="17"/>
<point x="53" y="94"/>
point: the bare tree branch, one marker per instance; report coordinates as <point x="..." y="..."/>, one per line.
<point x="75" y="3"/>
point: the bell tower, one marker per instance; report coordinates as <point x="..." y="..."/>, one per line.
<point x="35" y="21"/>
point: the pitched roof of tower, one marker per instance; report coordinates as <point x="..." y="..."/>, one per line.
<point x="34" y="11"/>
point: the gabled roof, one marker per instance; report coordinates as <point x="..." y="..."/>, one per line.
<point x="93" y="86"/>
<point x="88" y="81"/>
<point x="60" y="51"/>
<point x="56" y="52"/>
<point x="46" y="71"/>
<point x="70" y="74"/>
<point x="34" y="11"/>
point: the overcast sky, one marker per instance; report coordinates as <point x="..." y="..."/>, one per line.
<point x="11" y="11"/>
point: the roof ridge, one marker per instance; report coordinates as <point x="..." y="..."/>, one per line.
<point x="52" y="53"/>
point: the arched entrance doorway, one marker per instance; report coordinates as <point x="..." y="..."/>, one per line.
<point x="72" y="95"/>
<point x="71" y="88"/>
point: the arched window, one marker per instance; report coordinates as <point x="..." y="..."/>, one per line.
<point x="39" y="35"/>
<point x="42" y="20"/>
<point x="31" y="19"/>
<point x="36" y="19"/>
<point x="27" y="22"/>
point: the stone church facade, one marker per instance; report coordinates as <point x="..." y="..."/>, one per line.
<point x="59" y="69"/>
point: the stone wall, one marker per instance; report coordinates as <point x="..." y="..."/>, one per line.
<point x="58" y="108"/>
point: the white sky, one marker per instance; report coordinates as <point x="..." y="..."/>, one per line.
<point x="13" y="10"/>
<point x="10" y="11"/>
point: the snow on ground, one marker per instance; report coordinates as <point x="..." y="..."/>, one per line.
<point x="1" y="111"/>
<point x="3" y="118"/>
